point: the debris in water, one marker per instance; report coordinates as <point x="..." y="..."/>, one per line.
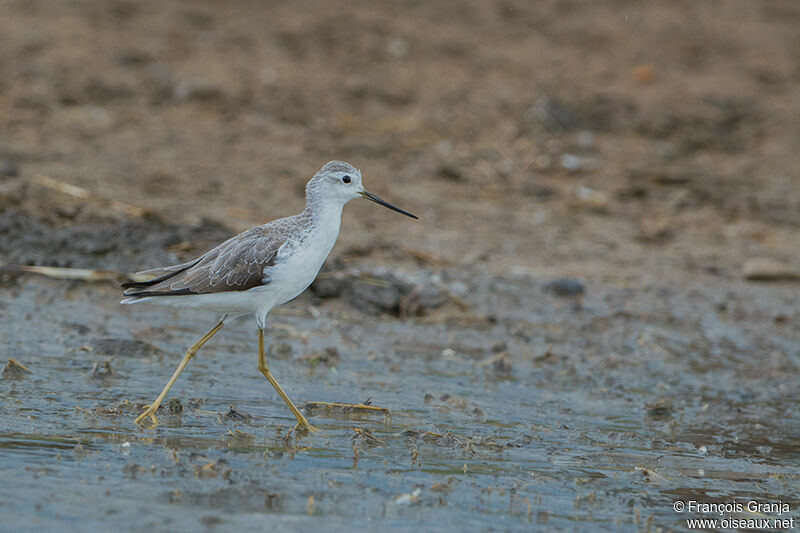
<point x="330" y="358"/>
<point x="501" y="362"/>
<point x="661" y="408"/>
<point x="280" y="350"/>
<point x="235" y="413"/>
<point x="208" y="470"/>
<point x="415" y="457"/>
<point x="78" y="274"/>
<point x="440" y="487"/>
<point x="366" y="436"/>
<point x="124" y="347"/>
<point x="345" y="409"/>
<point x="102" y="370"/>
<point x="15" y="370"/>
<point x="408" y="499"/>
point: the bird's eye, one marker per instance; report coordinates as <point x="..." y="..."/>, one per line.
<point x="345" y="179"/>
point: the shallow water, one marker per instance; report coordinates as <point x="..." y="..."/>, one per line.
<point x="606" y="412"/>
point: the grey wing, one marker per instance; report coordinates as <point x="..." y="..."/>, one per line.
<point x="165" y="271"/>
<point x="235" y="265"/>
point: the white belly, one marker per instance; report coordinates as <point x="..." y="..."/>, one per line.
<point x="299" y="265"/>
<point x="289" y="278"/>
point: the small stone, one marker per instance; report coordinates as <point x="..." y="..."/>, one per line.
<point x="8" y="169"/>
<point x="328" y="284"/>
<point x="444" y="147"/>
<point x="174" y="406"/>
<point x="565" y="287"/>
<point x="440" y="487"/>
<point x="655" y="228"/>
<point x="408" y="499"/>
<point x="500" y="362"/>
<point x="330" y="358"/>
<point x="591" y="199"/>
<point x="310" y="505"/>
<point x="767" y="269"/>
<point x="643" y="73"/>
<point x="397" y="47"/>
<point x="585" y="139"/>
<point x="554" y="115"/>
<point x="124" y="347"/>
<point x="235" y="413"/>
<point x="377" y="292"/>
<point x="196" y="90"/>
<point x="133" y="58"/>
<point x="571" y="162"/>
<point x="450" y="172"/>
<point x="661" y="408"/>
<point x="280" y="350"/>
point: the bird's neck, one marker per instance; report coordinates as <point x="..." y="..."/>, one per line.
<point x="325" y="216"/>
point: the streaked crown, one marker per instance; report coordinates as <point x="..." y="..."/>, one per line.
<point x="336" y="181"/>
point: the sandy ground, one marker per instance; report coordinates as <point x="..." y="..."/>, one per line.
<point x="645" y="152"/>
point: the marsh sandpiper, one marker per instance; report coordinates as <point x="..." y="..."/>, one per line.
<point x="257" y="270"/>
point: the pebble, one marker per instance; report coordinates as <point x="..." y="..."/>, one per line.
<point x="571" y="162"/>
<point x="565" y="287"/>
<point x="280" y="350"/>
<point x="381" y="291"/>
<point x="8" y="169"/>
<point x="591" y="199"/>
<point x="123" y="347"/>
<point x="767" y="269"/>
<point x="655" y="227"/>
<point x="450" y="172"/>
<point x="196" y="90"/>
<point x="174" y="406"/>
<point x="554" y="115"/>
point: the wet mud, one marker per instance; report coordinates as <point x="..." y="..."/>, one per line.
<point x="527" y="408"/>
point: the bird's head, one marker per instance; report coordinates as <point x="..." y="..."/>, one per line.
<point x="340" y="182"/>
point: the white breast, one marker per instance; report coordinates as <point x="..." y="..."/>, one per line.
<point x="299" y="263"/>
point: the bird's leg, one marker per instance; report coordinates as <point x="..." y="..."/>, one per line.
<point x="150" y="410"/>
<point x="302" y="423"/>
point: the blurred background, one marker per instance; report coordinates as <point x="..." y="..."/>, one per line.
<point x="596" y="138"/>
<point x="605" y="267"/>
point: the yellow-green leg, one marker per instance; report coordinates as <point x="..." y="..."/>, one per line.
<point x="150" y="410"/>
<point x="302" y="423"/>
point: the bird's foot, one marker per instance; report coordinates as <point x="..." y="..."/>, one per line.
<point x="149" y="413"/>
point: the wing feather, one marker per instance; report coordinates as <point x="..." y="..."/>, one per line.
<point x="235" y="265"/>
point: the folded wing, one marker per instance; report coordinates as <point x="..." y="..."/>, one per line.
<point x="235" y="265"/>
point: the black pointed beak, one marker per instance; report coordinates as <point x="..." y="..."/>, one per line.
<point x="369" y="196"/>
